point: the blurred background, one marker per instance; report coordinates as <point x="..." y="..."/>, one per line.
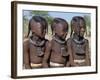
<point x="50" y="15"/>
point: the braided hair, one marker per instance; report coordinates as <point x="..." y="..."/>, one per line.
<point x="39" y="19"/>
<point x="76" y="19"/>
<point x="56" y="21"/>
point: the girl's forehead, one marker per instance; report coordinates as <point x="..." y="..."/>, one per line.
<point x="35" y="24"/>
<point x="79" y="23"/>
<point x="60" y="26"/>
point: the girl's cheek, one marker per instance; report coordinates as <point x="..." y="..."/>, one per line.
<point x="32" y="29"/>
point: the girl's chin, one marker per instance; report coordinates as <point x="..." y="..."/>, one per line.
<point x="81" y="35"/>
<point x="41" y="37"/>
<point x="63" y="38"/>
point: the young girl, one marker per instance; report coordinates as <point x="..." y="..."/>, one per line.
<point x="78" y="45"/>
<point x="34" y="46"/>
<point x="56" y="54"/>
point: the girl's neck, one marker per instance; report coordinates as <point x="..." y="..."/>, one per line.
<point x="37" y="41"/>
<point x="58" y="39"/>
<point x="36" y="38"/>
<point x="77" y="37"/>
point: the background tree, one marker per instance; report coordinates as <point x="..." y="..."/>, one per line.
<point x="25" y="26"/>
<point x="44" y="14"/>
<point x="88" y="25"/>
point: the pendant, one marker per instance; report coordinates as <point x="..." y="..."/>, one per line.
<point x="64" y="51"/>
<point x="79" y="49"/>
<point x="39" y="51"/>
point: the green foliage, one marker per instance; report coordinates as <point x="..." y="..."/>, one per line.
<point x="43" y="14"/>
<point x="88" y="24"/>
<point x="49" y="19"/>
<point x="40" y="13"/>
<point x="87" y="19"/>
<point x="25" y="25"/>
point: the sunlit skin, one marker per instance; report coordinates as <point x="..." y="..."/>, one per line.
<point x="53" y="49"/>
<point x="79" y="28"/>
<point x="60" y="30"/>
<point x="30" y="50"/>
<point x="38" y="29"/>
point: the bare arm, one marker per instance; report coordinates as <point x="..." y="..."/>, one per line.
<point x="87" y="54"/>
<point x="26" y="55"/>
<point x="47" y="55"/>
<point x="71" y="60"/>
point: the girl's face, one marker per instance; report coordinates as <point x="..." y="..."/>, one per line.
<point x="79" y="28"/>
<point x="38" y="29"/>
<point x="60" y="30"/>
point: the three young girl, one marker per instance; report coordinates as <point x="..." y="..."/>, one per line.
<point x="59" y="52"/>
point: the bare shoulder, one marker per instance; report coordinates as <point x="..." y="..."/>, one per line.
<point x="86" y="41"/>
<point x="69" y="41"/>
<point x="26" y="41"/>
<point x="48" y="43"/>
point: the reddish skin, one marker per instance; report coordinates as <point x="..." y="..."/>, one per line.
<point x="40" y="32"/>
<point x="52" y="52"/>
<point x="85" y="46"/>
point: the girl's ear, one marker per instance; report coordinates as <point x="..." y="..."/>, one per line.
<point x="32" y="29"/>
<point x="29" y="29"/>
<point x="54" y="30"/>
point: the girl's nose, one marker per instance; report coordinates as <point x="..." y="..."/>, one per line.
<point x="82" y="30"/>
<point x="62" y="33"/>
